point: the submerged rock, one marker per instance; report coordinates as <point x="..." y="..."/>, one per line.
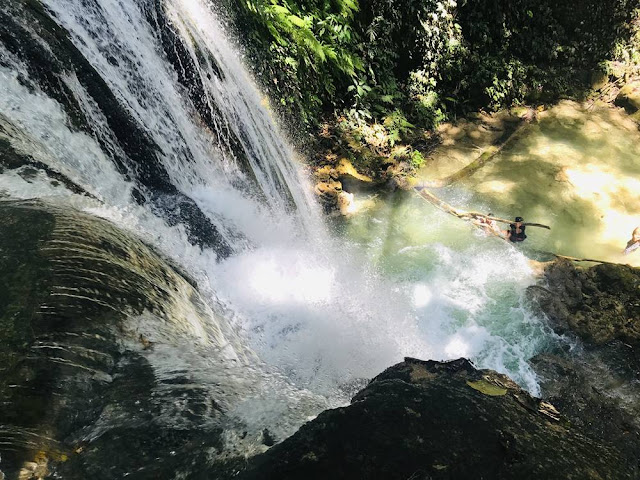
<point x="430" y="420"/>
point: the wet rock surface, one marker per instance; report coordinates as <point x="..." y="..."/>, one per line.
<point x="430" y="420"/>
<point x="595" y="380"/>
<point x="336" y="181"/>
<point x="598" y="400"/>
<point x="32" y="36"/>
<point x="599" y="305"/>
<point x="85" y="313"/>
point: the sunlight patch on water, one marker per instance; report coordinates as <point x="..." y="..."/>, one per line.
<point x="421" y="295"/>
<point x="282" y="278"/>
<point x="575" y="170"/>
<point x="610" y="194"/>
<point x="498" y="187"/>
<point x="320" y="320"/>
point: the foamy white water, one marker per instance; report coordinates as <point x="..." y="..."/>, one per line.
<point x="123" y="47"/>
<point x="320" y="310"/>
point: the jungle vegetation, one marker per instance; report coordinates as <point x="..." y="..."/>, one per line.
<point x="395" y="64"/>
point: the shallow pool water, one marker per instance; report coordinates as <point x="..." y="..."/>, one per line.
<point x="466" y="290"/>
<point x="574" y="169"/>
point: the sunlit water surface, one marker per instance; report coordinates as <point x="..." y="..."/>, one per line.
<point x="576" y="170"/>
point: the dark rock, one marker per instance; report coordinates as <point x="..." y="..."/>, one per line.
<point x="600" y="401"/>
<point x="430" y="420"/>
<point x="599" y="305"/>
<point x="596" y="382"/>
<point x="327" y="193"/>
<point x="598" y="79"/>
<point x="267" y="438"/>
<point x="27" y="167"/>
<point x="80" y="394"/>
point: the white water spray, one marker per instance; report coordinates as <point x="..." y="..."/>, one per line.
<point x="313" y="307"/>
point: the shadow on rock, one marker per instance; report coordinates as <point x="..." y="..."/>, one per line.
<point x="594" y="381"/>
<point x="430" y="420"/>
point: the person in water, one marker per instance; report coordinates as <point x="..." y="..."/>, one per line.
<point x="634" y="243"/>
<point x="516" y="231"/>
<point x="491" y="226"/>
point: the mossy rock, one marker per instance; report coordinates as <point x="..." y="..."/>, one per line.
<point x="599" y="305"/>
<point x="596" y="383"/>
<point x="79" y="394"/>
<point x="629" y="97"/>
<point x="422" y="420"/>
<point x="487" y="388"/>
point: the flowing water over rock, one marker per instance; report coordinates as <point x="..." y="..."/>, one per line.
<point x="215" y="312"/>
<point x="105" y="346"/>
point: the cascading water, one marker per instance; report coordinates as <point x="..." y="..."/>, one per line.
<point x="140" y="112"/>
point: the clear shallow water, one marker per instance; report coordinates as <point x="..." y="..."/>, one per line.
<point x="576" y="170"/>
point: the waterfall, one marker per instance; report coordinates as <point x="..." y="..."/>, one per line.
<point x="151" y="94"/>
<point x="141" y="112"/>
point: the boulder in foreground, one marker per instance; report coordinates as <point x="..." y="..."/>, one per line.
<point x="432" y="420"/>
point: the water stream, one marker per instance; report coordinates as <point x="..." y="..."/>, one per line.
<point x="141" y="112"/>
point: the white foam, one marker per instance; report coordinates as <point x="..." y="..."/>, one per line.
<point x="37" y="126"/>
<point x="321" y="312"/>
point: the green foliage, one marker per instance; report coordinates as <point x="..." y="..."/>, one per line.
<point x="626" y="50"/>
<point x="303" y="52"/>
<point x="417" y="160"/>
<point x="378" y="61"/>
<point x="426" y="106"/>
<point x="356" y="125"/>
<point x="533" y="50"/>
<point x="411" y="156"/>
<point x="404" y="44"/>
<point x="397" y="126"/>
<point x="372" y="146"/>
